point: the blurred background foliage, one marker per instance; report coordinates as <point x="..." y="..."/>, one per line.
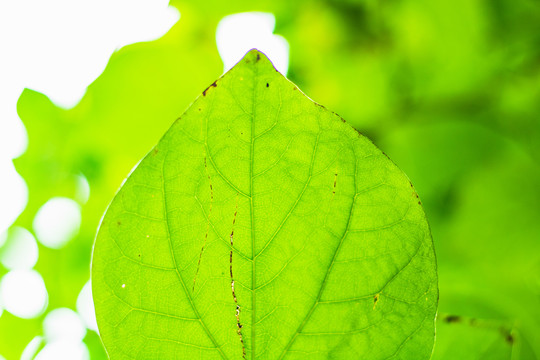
<point x="450" y="90"/>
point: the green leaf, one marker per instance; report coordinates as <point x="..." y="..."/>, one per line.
<point x="263" y="226"/>
<point x="472" y="339"/>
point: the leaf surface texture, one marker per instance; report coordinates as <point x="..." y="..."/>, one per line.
<point x="262" y="226"/>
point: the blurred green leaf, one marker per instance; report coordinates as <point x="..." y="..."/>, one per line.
<point x="472" y="339"/>
<point x="263" y="226"/>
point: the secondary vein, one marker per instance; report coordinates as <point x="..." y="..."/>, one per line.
<point x="165" y="209"/>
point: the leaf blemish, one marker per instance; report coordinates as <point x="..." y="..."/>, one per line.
<point x="237" y="311"/>
<point x="267" y="85"/>
<point x="207" y="223"/>
<point x="208" y="88"/>
<point x="331" y="198"/>
<point x="375" y="301"/>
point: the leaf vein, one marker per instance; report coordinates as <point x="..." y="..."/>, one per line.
<point x="201" y="321"/>
<point x="336" y="251"/>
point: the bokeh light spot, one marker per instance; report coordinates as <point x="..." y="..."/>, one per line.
<point x="32" y="348"/>
<point x="63" y="324"/>
<point x="23" y="293"/>
<point x="85" y="307"/>
<point x="57" y="222"/>
<point x="20" y="250"/>
<point x="82" y="190"/>
<point x="64" y="350"/>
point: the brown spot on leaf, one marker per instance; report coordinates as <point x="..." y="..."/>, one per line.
<point x="119" y="223"/>
<point x="267" y="85"/>
<point x="375" y="300"/>
<point x="208" y="88"/>
<point x="258" y="56"/>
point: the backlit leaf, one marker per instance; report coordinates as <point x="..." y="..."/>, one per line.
<point x="262" y="226"/>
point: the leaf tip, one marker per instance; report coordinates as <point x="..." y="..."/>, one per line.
<point x="255" y="56"/>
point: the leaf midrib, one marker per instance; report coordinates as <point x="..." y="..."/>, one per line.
<point x="253" y="267"/>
